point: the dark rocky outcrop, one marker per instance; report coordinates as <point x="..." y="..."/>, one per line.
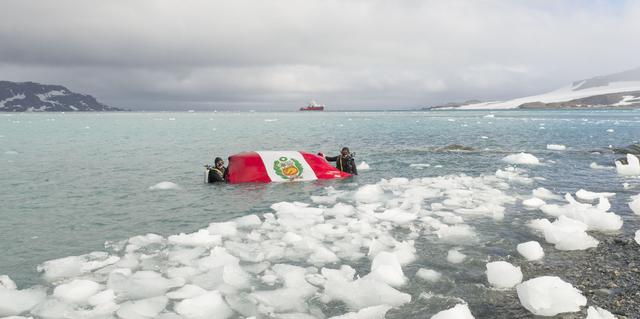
<point x="35" y="97"/>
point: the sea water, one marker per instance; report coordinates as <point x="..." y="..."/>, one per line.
<point x="71" y="182"/>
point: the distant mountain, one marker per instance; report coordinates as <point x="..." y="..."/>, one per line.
<point x="614" y="90"/>
<point x="452" y="105"/>
<point x="35" y="97"/>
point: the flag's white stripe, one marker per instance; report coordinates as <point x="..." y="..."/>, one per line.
<point x="269" y="157"/>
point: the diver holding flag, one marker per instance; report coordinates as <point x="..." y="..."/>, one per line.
<point x="217" y="173"/>
<point x="344" y="162"/>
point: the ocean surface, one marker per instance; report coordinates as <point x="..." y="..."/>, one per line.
<point x="71" y="182"/>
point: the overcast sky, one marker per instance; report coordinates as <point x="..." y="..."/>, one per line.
<point x="349" y="54"/>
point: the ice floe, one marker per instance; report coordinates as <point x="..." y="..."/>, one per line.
<point x="502" y="274"/>
<point x="635" y="204"/>
<point x="565" y="233"/>
<point x="556" y="147"/>
<point x="590" y="196"/>
<point x="544" y="193"/>
<point x="596" y="217"/>
<point x="459" y="311"/>
<point x="549" y="296"/>
<point x="14" y="302"/>
<point x="363" y="166"/>
<point x="533" y="202"/>
<point x="164" y="186"/>
<point x="599" y="313"/>
<point x="521" y="158"/>
<point x="428" y="274"/>
<point x="632" y="168"/>
<point x="455" y="257"/>
<point x="530" y="250"/>
<point x="595" y="165"/>
<point x="637" y="237"/>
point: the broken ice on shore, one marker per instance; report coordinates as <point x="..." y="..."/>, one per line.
<point x="297" y="258"/>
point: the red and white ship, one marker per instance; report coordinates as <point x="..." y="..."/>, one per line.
<point x="313" y="106"/>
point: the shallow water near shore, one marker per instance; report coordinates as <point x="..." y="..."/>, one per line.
<point x="71" y="182"/>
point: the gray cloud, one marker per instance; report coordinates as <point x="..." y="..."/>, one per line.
<point x="155" y="54"/>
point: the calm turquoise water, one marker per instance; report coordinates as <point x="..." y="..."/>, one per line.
<point x="70" y="182"/>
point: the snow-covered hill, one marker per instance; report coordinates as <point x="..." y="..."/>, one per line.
<point x="35" y="97"/>
<point x="615" y="90"/>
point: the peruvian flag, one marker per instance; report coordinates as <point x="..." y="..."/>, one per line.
<point x="280" y="166"/>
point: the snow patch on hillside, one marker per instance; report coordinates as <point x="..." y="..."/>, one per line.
<point x="563" y="94"/>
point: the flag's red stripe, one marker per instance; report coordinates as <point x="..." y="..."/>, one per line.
<point x="247" y="168"/>
<point x="322" y="168"/>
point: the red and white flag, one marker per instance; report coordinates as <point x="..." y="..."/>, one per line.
<point x="280" y="166"/>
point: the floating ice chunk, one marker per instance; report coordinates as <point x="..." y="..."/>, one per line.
<point x="363" y="166"/>
<point x="595" y="217"/>
<point x="549" y="296"/>
<point x="6" y="282"/>
<point x="208" y="305"/>
<point x="102" y="298"/>
<point x="530" y="250"/>
<point x="556" y="147"/>
<point x="293" y="296"/>
<point x="225" y="229"/>
<point x="248" y="221"/>
<point x="599" y="313"/>
<point x="77" y="291"/>
<point x="369" y="194"/>
<point x="544" y="193"/>
<point x="397" y="216"/>
<point x="142" y="309"/>
<point x="61" y="268"/>
<point x="219" y="257"/>
<point x="502" y="274"/>
<point x="14" y="302"/>
<point x="521" y="158"/>
<point x="428" y="274"/>
<point x="610" y="130"/>
<point x="631" y="169"/>
<point x="455" y="257"/>
<point x="514" y="175"/>
<point x="375" y="312"/>
<point x="565" y="233"/>
<point x="460" y="233"/>
<point x="386" y="268"/>
<point x="533" y="202"/>
<point x="145" y="240"/>
<point x="635" y="204"/>
<point x="251" y="252"/>
<point x="201" y="238"/>
<point x="488" y="116"/>
<point x="164" y="186"/>
<point x="590" y="196"/>
<point x="460" y="311"/>
<point x="420" y="165"/>
<point x="321" y="255"/>
<point x="186" y="292"/>
<point x="54" y="308"/>
<point x="357" y="294"/>
<point x="142" y="284"/>
<point x="637" y="237"/>
<point x="594" y="165"/>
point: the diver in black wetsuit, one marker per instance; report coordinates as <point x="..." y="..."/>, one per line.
<point x="344" y="161"/>
<point x="218" y="173"/>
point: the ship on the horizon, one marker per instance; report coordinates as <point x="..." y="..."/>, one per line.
<point x="313" y="106"/>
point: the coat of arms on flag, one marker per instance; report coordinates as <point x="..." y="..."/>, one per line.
<point x="288" y="168"/>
